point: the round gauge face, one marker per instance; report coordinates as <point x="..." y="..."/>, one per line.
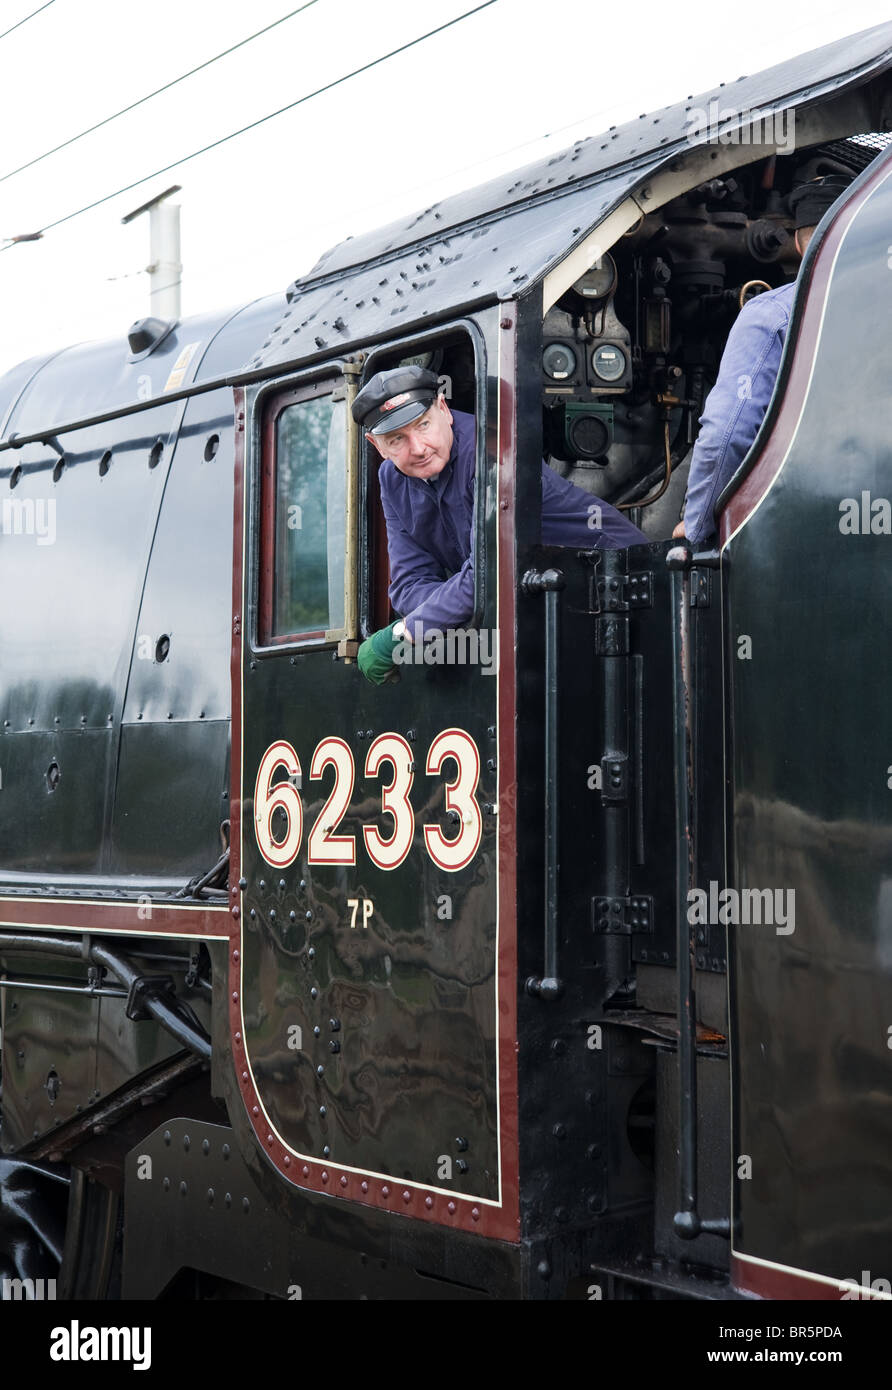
<point x="608" y="362"/>
<point x="558" y="361"/>
<point x="599" y="281"/>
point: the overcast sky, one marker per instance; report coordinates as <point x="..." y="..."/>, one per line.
<point x="491" y="93"/>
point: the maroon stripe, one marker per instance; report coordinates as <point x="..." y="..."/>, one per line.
<point x="235" y="664"/>
<point x="507" y="962"/>
<point x="72" y="915"/>
<point x="780" y="1283"/>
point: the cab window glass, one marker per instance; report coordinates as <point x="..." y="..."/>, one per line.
<point x="307" y="588"/>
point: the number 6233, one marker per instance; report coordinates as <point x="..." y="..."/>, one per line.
<point x="387" y="752"/>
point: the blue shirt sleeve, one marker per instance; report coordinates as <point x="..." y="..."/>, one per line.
<point x="418" y="590"/>
<point x="735" y="407"/>
<point x="573" y="517"/>
<point x="432" y="584"/>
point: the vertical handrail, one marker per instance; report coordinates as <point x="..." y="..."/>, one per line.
<point x="549" y="985"/>
<point x="687" y="1221"/>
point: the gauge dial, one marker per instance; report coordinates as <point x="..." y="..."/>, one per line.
<point x="599" y="281"/>
<point x="608" y="362"/>
<point x="558" y="361"/>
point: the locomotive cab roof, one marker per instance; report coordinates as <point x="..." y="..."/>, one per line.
<point x="536" y="226"/>
<point x="542" y="225"/>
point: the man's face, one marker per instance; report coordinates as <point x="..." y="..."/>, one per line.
<point x="421" y="449"/>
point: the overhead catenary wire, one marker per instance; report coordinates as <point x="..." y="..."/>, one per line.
<point x="253" y="125"/>
<point x="141" y="101"/>
<point x="12" y="28"/>
<point x="451" y="174"/>
<point x="438" y="180"/>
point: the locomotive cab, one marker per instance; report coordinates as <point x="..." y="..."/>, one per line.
<point x="437" y="983"/>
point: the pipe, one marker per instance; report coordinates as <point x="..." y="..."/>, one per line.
<point x="187" y="1031"/>
<point x="687" y="1221"/>
<point x="202" y="388"/>
<point x="170" y="1017"/>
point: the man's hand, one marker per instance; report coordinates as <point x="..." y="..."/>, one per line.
<point x="678" y="533"/>
<point x="375" y="656"/>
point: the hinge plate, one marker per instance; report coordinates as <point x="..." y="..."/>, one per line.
<point x="615" y="777"/>
<point x="700" y="588"/>
<point x="623" y="916"/>
<point x="620" y="592"/>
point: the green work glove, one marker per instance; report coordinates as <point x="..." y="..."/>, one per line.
<point x="375" y="656"/>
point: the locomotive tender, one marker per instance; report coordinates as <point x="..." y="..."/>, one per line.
<point x="559" y="967"/>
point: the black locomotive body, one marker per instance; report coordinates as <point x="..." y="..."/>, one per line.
<point x="317" y="989"/>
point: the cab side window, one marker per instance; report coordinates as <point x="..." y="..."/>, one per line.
<point x="303" y="518"/>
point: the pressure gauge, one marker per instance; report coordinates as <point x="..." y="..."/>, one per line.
<point x="559" y="361"/>
<point x="599" y="282"/>
<point x="608" y="362"/>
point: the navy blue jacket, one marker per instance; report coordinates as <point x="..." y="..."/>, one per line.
<point x="430" y="528"/>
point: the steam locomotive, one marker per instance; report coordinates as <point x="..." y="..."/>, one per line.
<point x="558" y="968"/>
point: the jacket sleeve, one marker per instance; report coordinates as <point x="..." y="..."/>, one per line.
<point x="573" y="517"/>
<point x="418" y="590"/>
<point x="734" y="410"/>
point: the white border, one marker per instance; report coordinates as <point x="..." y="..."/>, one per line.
<point x="850" y="1286"/>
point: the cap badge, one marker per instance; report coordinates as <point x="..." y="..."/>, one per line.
<point x="395" y="401"/>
